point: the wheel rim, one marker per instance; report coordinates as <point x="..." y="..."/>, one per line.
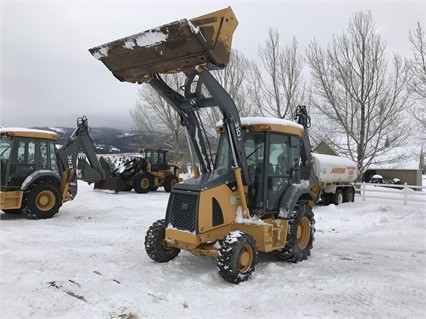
<point x="339" y="198"/>
<point x="245" y="259"/>
<point x="173" y="183"/>
<point x="303" y="233"/>
<point x="144" y="183"/>
<point x="45" y="200"/>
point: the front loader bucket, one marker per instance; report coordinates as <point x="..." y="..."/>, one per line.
<point x="116" y="184"/>
<point x="109" y="183"/>
<point x="175" y="47"/>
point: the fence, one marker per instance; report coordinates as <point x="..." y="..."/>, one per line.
<point x="405" y="193"/>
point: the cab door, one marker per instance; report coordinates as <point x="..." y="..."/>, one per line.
<point x="278" y="169"/>
<point x="23" y="160"/>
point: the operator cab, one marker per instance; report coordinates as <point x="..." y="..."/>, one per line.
<point x="23" y="151"/>
<point x="157" y="158"/>
<point x="272" y="155"/>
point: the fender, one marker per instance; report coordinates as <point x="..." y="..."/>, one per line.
<point x="38" y="174"/>
<point x="292" y="195"/>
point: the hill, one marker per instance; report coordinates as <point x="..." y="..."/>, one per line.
<point x="109" y="140"/>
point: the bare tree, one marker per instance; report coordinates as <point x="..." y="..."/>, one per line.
<point x="155" y="116"/>
<point x="152" y="114"/>
<point x="282" y="89"/>
<point x="418" y="78"/>
<point x="235" y="79"/>
<point x="363" y="103"/>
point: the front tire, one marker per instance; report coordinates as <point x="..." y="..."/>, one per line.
<point x="143" y="183"/>
<point x="237" y="257"/>
<point x="155" y="246"/>
<point x="327" y="199"/>
<point x="170" y="182"/>
<point x="300" y="236"/>
<point x="43" y="201"/>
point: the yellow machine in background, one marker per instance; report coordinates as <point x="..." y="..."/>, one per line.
<point x="36" y="178"/>
<point x="143" y="174"/>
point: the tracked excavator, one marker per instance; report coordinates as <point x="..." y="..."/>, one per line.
<point x="36" y="177"/>
<point x="257" y="193"/>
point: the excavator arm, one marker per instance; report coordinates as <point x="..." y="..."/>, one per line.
<point x="91" y="170"/>
<point x="307" y="173"/>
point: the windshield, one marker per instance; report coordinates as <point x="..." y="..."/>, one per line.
<point x="5" y="147"/>
<point x="254" y="143"/>
<point x="223" y="156"/>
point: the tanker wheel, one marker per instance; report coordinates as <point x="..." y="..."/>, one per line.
<point x="349" y="195"/>
<point x="337" y="198"/>
<point x="170" y="181"/>
<point x="43" y="201"/>
<point x="143" y="183"/>
<point x="327" y="199"/>
<point x="237" y="257"/>
<point x="155" y="246"/>
<point x="300" y="236"/>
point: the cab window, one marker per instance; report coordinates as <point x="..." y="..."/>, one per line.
<point x="223" y="156"/>
<point x="5" y="147"/>
<point x="53" y="157"/>
<point x="26" y="151"/>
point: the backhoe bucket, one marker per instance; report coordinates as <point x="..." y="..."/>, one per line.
<point x="175" y="47"/>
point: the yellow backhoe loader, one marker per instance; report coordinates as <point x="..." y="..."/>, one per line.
<point x="257" y="193"/>
<point x="36" y="178"/>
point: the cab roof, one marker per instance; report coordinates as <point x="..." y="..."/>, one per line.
<point x="269" y="124"/>
<point x="27" y="132"/>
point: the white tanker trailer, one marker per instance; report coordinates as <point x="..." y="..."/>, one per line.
<point x="337" y="176"/>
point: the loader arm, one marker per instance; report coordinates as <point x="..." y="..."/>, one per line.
<point x="193" y="47"/>
<point x="188" y="119"/>
<point x="187" y="106"/>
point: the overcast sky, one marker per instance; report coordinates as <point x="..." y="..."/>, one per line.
<point x="48" y="77"/>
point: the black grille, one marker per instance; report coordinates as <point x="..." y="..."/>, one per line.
<point x="183" y="213"/>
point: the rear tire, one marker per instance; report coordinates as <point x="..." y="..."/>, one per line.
<point x="237" y="257"/>
<point x="300" y="236"/>
<point x="170" y="181"/>
<point x="337" y="197"/>
<point x="43" y="201"/>
<point x="155" y="246"/>
<point x="349" y="195"/>
<point x="143" y="183"/>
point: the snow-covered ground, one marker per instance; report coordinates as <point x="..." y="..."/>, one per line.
<point x="89" y="261"/>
